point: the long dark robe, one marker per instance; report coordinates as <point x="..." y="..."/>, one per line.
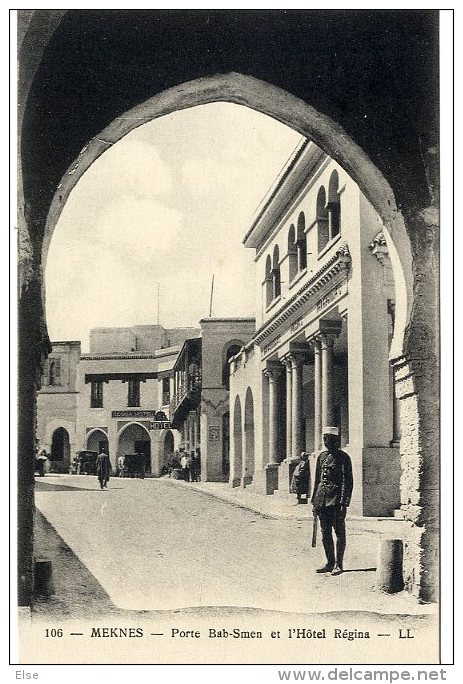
<point x="103" y="468"/>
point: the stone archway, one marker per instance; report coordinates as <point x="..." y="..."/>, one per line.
<point x="96" y="440"/>
<point x="60" y="452"/>
<point x="168" y="449"/>
<point x="289" y="110"/>
<point x="414" y="349"/>
<point x="134" y="438"/>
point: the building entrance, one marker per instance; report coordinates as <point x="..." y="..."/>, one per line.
<point x="60" y="451"/>
<point x="143" y="446"/>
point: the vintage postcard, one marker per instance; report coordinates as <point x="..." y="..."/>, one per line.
<point x="228" y="337"/>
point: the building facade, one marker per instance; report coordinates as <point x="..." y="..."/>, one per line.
<point x="116" y="397"/>
<point x="325" y="302"/>
<point x="145" y="390"/>
<point x="200" y="404"/>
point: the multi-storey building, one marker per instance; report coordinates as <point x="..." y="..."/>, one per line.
<point x="144" y="390"/>
<point x="320" y="355"/>
<point x="200" y="403"/>
<point x="115" y="397"/>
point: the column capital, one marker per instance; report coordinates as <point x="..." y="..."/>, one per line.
<point x="273" y="369"/>
<point x="315" y="342"/>
<point x="297" y="359"/>
<point x="329" y="326"/>
<point x="298" y="353"/>
<point x="327" y="341"/>
<point x="286" y="361"/>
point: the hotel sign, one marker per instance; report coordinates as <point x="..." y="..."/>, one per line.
<point x="298" y="323"/>
<point x="330" y="296"/>
<point x="160" y="425"/>
<point x="133" y="414"/>
<point x="271" y="345"/>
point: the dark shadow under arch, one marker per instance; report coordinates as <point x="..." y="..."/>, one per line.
<point x="282" y="106"/>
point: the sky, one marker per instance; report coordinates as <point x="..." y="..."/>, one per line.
<point x="169" y="204"/>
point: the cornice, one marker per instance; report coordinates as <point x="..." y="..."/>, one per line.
<point x="339" y="262"/>
<point x="119" y="357"/>
<point x="379" y="240"/>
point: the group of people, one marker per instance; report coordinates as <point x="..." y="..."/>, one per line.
<point x="187" y="464"/>
<point x="331" y="496"/>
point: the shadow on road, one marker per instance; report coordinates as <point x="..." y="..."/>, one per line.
<point x="360" y="570"/>
<point x="46" y="487"/>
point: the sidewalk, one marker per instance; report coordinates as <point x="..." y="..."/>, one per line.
<point x="282" y="509"/>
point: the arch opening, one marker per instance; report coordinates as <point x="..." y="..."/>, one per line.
<point x="237" y="443"/>
<point x="60" y="452"/>
<point x="321" y="131"/>
<point x="134" y="440"/>
<point x="97" y="440"/>
<point x="292" y="253"/>
<point x="168" y="452"/>
<point x="231" y="349"/>
<point x="285" y="108"/>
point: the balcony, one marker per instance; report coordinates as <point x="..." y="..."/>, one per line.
<point x="186" y="398"/>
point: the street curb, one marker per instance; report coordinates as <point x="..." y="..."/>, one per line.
<point x="366" y="524"/>
<point x="230" y="500"/>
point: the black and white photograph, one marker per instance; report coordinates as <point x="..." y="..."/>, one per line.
<point x="228" y="336"/>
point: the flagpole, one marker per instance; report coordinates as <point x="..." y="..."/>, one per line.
<point x="212" y="293"/>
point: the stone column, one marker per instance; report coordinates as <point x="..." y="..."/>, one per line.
<point x="327" y="342"/>
<point x="265" y="481"/>
<point x="289" y="398"/>
<point x="317" y="399"/>
<point x="297" y="439"/>
<point x="272" y="374"/>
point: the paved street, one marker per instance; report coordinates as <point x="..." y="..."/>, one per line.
<point x="155" y="546"/>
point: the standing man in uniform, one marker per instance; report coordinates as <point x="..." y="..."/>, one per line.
<point x="331" y="497"/>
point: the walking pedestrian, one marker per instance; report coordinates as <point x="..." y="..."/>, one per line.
<point x="121" y="465"/>
<point x="331" y="497"/>
<point x="103" y="469"/>
<point x="185" y="463"/>
<point x="40" y="462"/>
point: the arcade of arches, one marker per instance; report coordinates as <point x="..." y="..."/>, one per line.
<point x="394" y="165"/>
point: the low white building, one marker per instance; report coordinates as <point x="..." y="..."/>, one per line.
<point x="143" y="390"/>
<point x="116" y="397"/>
<point x="320" y="355"/>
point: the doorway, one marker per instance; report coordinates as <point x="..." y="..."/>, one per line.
<point x="143" y="446"/>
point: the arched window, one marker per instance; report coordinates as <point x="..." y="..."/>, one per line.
<point x="232" y="350"/>
<point x="292" y="253"/>
<point x="301" y="243"/>
<point x="334" y="206"/>
<point x="322" y="219"/>
<point x="276" y="273"/>
<point x="54" y="373"/>
<point x="268" y="281"/>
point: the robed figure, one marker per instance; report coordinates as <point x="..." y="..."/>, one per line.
<point x="103" y="469"/>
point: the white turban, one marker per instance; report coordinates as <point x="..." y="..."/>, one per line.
<point x="331" y="431"/>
